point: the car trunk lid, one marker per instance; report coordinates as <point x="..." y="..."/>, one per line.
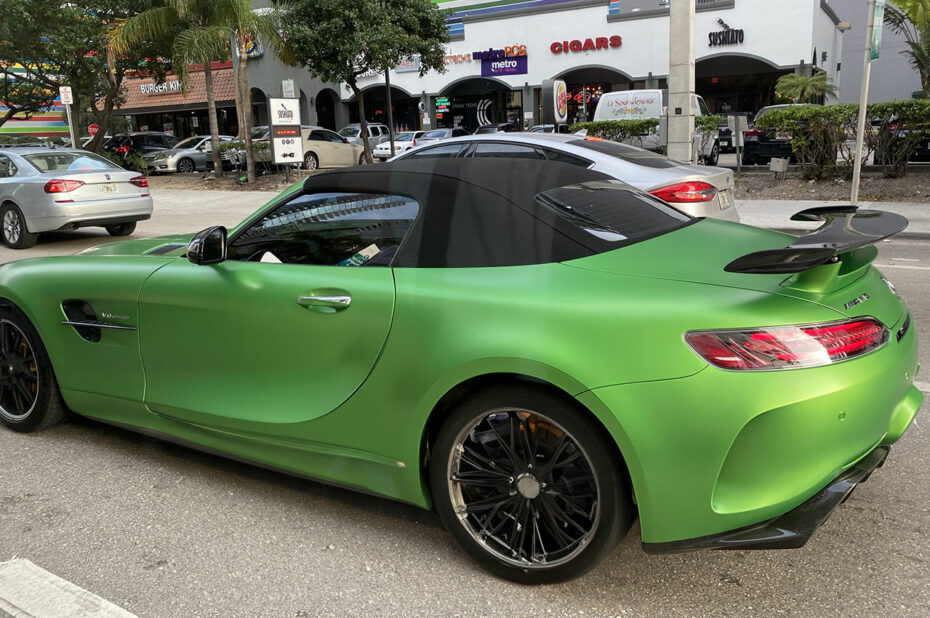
<point x="100" y="185"/>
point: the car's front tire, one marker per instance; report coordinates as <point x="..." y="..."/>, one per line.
<point x="121" y="229"/>
<point x="186" y="166"/>
<point x="29" y="395"/>
<point x="13" y="231"/>
<point x="714" y="157"/>
<point x="528" y="485"/>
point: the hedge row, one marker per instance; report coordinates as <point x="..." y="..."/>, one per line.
<point x="823" y="138"/>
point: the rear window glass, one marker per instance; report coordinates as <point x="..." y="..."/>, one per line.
<point x="437" y="133"/>
<point x="637" y="156"/>
<point x="612" y="212"/>
<point x="69" y="162"/>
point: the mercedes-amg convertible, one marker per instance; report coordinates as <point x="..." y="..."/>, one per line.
<point x="539" y="352"/>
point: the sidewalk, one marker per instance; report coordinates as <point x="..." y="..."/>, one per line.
<point x="776" y="214"/>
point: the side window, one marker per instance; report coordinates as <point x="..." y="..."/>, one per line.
<point x="509" y="151"/>
<point x="329" y="136"/>
<point x="445" y="151"/>
<point x="318" y="136"/>
<point x="329" y="229"/>
<point x="564" y="157"/>
<point x="7" y="168"/>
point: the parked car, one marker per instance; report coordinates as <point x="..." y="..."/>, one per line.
<point x="549" y="128"/>
<point x="139" y="143"/>
<point x="193" y="154"/>
<point x="44" y="190"/>
<point x="436" y="135"/>
<point x="325" y="148"/>
<point x="698" y="190"/>
<point x="402" y="143"/>
<point x="541" y="361"/>
<point x="377" y="133"/>
<point x="760" y="146"/>
<point x="500" y="127"/>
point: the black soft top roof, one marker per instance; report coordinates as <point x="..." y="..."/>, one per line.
<point x="477" y="212"/>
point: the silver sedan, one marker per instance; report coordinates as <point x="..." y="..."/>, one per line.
<point x="43" y="190"/>
<point x="699" y="190"/>
<point x="190" y="155"/>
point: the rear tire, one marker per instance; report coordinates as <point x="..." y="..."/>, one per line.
<point x="311" y="162"/>
<point x="361" y="159"/>
<point x="121" y="229"/>
<point x="528" y="485"/>
<point x="13" y="230"/>
<point x="714" y="155"/>
<point x="29" y="395"/>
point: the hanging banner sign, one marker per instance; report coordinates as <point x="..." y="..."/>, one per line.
<point x="877" y="22"/>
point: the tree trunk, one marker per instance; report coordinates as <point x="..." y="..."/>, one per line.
<point x="360" y="99"/>
<point x="245" y="96"/>
<point x="211" y="116"/>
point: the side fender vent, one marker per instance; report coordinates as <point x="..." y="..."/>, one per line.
<point x="163" y="249"/>
<point x="78" y="311"/>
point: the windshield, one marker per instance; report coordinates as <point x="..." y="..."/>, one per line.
<point x="350" y="132"/>
<point x="259" y="132"/>
<point x="436" y="133"/>
<point x="483" y="130"/>
<point x="630" y="154"/>
<point x="190" y="142"/>
<point x="69" y="162"/>
<point x="403" y="137"/>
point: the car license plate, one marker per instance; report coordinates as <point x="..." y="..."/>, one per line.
<point x="724" y="200"/>
<point x="109" y="187"/>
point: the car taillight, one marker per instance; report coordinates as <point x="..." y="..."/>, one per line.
<point x="788" y="347"/>
<point x="414" y="143"/>
<point x="139" y="181"/>
<point x="695" y="191"/>
<point x="62" y="186"/>
<point x="752" y="132"/>
<point x="122" y="149"/>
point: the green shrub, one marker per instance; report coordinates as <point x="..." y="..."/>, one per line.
<point x="631" y="131"/>
<point x="894" y="130"/>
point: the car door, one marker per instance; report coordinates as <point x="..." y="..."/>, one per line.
<point x="325" y="150"/>
<point x="284" y="330"/>
<point x="343" y="152"/>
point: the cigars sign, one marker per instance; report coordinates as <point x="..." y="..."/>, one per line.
<point x="583" y="45"/>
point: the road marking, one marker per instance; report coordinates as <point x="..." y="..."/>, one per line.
<point x="924" y="386"/>
<point x="904" y="266"/>
<point x="905" y="259"/>
<point x="29" y="591"/>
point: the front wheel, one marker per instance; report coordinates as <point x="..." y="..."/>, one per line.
<point x="186" y="166"/>
<point x="29" y="396"/>
<point x="714" y="155"/>
<point x="528" y="485"/>
<point x="121" y="229"/>
<point x="361" y="159"/>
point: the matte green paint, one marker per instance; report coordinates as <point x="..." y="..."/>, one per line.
<point x="225" y="358"/>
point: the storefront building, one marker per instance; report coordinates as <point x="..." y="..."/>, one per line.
<point x="152" y="106"/>
<point x="502" y="51"/>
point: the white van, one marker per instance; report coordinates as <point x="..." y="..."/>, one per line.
<point x="643" y="104"/>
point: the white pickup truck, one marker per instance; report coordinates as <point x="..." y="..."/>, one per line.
<point x="643" y="104"/>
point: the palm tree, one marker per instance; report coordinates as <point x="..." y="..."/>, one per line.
<point x="802" y="88"/>
<point x="200" y="41"/>
<point x="214" y="23"/>
<point x="249" y="27"/>
<point x="911" y="18"/>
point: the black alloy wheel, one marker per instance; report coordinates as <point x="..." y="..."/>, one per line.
<point x="13" y="231"/>
<point x="528" y="486"/>
<point x="29" y="396"/>
<point x="186" y="166"/>
<point x="121" y="229"/>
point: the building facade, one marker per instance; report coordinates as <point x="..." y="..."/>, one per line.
<point x="891" y="76"/>
<point x="502" y="51"/>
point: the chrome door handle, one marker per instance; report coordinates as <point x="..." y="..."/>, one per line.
<point x="328" y="301"/>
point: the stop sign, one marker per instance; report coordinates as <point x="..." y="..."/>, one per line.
<point x="92" y="129"/>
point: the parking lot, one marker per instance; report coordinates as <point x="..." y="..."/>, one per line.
<point x="164" y="531"/>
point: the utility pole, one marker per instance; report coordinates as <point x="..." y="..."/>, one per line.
<point x="390" y="112"/>
<point x="681" y="80"/>
<point x="872" y="43"/>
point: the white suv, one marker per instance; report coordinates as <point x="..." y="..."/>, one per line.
<point x="377" y="133"/>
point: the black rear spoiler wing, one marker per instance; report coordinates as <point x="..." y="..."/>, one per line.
<point x="845" y="228"/>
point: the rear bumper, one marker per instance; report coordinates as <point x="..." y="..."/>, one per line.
<point x="70" y="216"/>
<point x="794" y="528"/>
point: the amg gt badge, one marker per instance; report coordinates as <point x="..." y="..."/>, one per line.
<point x="857" y="301"/>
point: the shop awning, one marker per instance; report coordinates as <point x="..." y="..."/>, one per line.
<point x="145" y="96"/>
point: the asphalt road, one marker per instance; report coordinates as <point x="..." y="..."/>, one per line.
<point x="164" y="531"/>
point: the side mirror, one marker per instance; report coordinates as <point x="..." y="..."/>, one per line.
<point x="208" y="246"/>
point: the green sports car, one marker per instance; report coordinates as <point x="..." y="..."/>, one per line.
<point x="539" y="352"/>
